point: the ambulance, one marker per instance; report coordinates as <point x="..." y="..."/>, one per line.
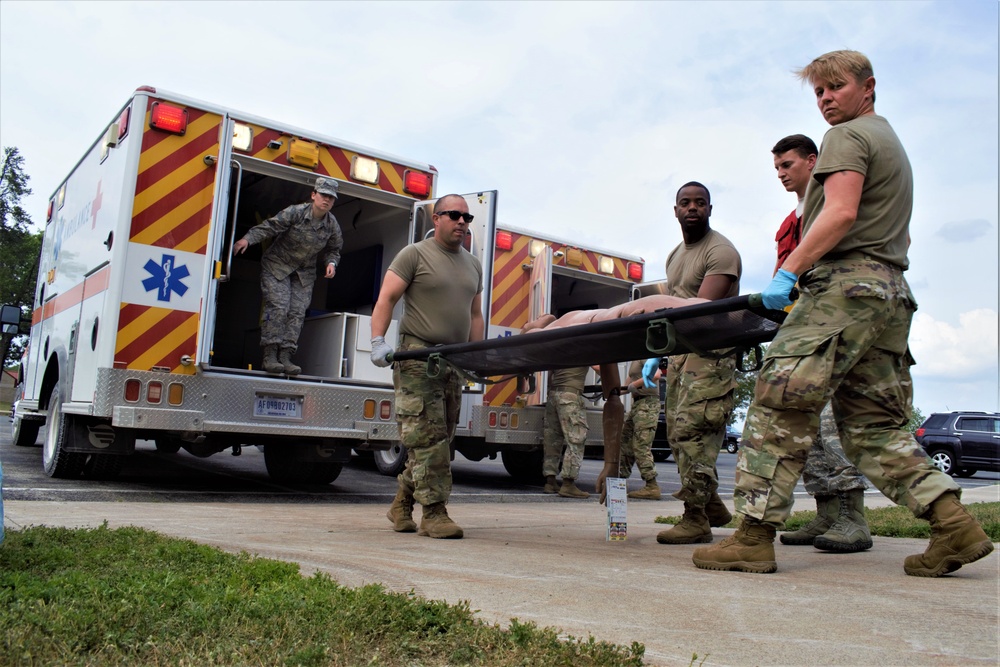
<point x="145" y="325"/>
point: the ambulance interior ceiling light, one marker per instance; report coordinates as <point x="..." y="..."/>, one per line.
<point x="364" y="169"/>
<point x="416" y="183"/>
<point x="168" y="118"/>
<point x="536" y="247"/>
<point x="303" y="153"/>
<point x="606" y="265"/>
<point x="242" y="137"/>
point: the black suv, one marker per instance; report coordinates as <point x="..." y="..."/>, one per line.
<point x="962" y="443"/>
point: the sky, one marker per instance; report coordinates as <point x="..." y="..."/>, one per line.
<point x="585" y="117"/>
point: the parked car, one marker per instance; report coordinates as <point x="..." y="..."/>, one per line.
<point x="962" y="443"/>
<point x="732" y="441"/>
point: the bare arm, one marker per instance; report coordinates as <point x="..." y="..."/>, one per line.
<point x="716" y="286"/>
<point x="478" y="323"/>
<point x="842" y="192"/>
<point x="392" y="289"/>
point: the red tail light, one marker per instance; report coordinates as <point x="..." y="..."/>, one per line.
<point x="635" y="271"/>
<point x="920" y="432"/>
<point x="168" y="118"/>
<point x="505" y="240"/>
<point x="416" y="183"/>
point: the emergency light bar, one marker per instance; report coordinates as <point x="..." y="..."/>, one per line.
<point x="303" y="153"/>
<point x="504" y="241"/>
<point x="416" y="183"/>
<point x="168" y="118"/>
<point x="635" y="271"/>
<point x="606" y="265"/>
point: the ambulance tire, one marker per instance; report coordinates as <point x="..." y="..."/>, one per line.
<point x="525" y="467"/>
<point x="56" y="461"/>
<point x="283" y="468"/>
<point x="390" y="462"/>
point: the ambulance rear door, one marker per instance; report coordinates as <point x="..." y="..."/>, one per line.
<point x="539" y="303"/>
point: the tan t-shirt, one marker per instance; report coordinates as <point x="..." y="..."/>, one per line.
<point x="688" y="265"/>
<point x="869" y="146"/>
<point x="573" y="378"/>
<point x="635" y="373"/>
<point x="437" y="304"/>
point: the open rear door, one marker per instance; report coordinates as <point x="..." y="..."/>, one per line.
<point x="539" y="303"/>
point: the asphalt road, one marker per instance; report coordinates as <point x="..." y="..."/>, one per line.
<point x="151" y="475"/>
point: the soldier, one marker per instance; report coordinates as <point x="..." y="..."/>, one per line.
<point x="837" y="486"/>
<point x="441" y="286"/>
<point x="638" y="432"/>
<point x="700" y="389"/>
<point x="288" y="269"/>
<point x="565" y="427"/>
<point x="845" y="340"/>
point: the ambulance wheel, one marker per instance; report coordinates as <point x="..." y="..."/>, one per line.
<point x="24" y="431"/>
<point x="391" y="461"/>
<point x="525" y="467"/>
<point x="283" y="467"/>
<point x="56" y="461"/>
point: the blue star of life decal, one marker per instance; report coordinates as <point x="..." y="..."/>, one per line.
<point x="165" y="278"/>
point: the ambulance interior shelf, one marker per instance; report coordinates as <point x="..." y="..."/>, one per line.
<point x="728" y="326"/>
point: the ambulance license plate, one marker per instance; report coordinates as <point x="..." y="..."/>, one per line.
<point x="277" y="407"/>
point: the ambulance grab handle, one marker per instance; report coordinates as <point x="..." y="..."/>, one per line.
<point x="224" y="274"/>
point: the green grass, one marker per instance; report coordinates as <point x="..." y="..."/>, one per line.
<point x="892" y="521"/>
<point x="133" y="597"/>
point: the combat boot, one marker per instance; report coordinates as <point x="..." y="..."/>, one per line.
<point x="693" y="528"/>
<point x="749" y="549"/>
<point x="436" y="523"/>
<point x="569" y="489"/>
<point x="849" y="533"/>
<point x="827" y="508"/>
<point x="649" y="492"/>
<point x="285" y="357"/>
<point x="957" y="539"/>
<point x="271" y="363"/>
<point x="550" y="484"/>
<point x="717" y="512"/>
<point x="401" y="513"/>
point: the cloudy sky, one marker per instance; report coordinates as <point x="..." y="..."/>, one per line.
<point x="586" y="117"/>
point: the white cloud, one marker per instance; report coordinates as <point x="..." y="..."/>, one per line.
<point x="967" y="351"/>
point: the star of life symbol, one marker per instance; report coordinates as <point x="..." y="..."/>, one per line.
<point x="165" y="278"/>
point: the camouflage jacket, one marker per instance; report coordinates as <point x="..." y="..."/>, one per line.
<point x="298" y="239"/>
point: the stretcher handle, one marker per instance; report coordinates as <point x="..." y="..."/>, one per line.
<point x="661" y="337"/>
<point x="757" y="300"/>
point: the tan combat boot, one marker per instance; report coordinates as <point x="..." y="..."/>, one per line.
<point x="285" y="358"/>
<point x="957" y="539"/>
<point x="649" y="492"/>
<point x="827" y="509"/>
<point x="550" y="484"/>
<point x="569" y="489"/>
<point x="849" y="533"/>
<point x="749" y="549"/>
<point x="401" y="513"/>
<point x="436" y="523"/>
<point x="271" y="363"/>
<point x="693" y="528"/>
<point x="717" y="512"/>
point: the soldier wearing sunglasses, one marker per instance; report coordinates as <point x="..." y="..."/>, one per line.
<point x="441" y="286"/>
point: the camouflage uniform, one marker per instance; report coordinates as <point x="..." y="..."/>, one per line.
<point x="827" y="471"/>
<point x="700" y="399"/>
<point x="427" y="411"/>
<point x="565" y="426"/>
<point x="639" y="428"/>
<point x="845" y="341"/>
<point x="288" y="268"/>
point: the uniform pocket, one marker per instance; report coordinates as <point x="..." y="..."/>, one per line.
<point x="797" y="369"/>
<point x="410" y="405"/>
<point x="757" y="463"/>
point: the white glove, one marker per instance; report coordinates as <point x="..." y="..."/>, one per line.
<point x="380" y="352"/>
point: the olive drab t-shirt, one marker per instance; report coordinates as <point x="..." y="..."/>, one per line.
<point x="437" y="304"/>
<point x="572" y="378"/>
<point x="688" y="265"/>
<point x="869" y="146"/>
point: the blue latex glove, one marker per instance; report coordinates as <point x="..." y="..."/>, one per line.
<point x="649" y="372"/>
<point x="775" y="295"/>
<point x="380" y="352"/>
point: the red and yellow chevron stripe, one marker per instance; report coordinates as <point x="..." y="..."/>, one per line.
<point x="155" y="337"/>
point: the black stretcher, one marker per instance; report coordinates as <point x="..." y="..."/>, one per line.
<point x="733" y="326"/>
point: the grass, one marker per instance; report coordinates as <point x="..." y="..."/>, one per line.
<point x="130" y="596"/>
<point x="892" y="521"/>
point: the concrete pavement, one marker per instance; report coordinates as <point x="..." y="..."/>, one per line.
<point x="549" y="563"/>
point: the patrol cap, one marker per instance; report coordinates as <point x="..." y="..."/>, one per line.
<point x="326" y="186"/>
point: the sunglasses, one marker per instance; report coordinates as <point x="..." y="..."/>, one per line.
<point x="455" y="215"/>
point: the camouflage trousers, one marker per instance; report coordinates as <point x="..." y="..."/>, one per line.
<point x="285" y="303"/>
<point x="564" y="433"/>
<point x="699" y="401"/>
<point x="427" y="411"/>
<point x="637" y="438"/>
<point x="844" y="342"/>
<point x="827" y="471"/>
